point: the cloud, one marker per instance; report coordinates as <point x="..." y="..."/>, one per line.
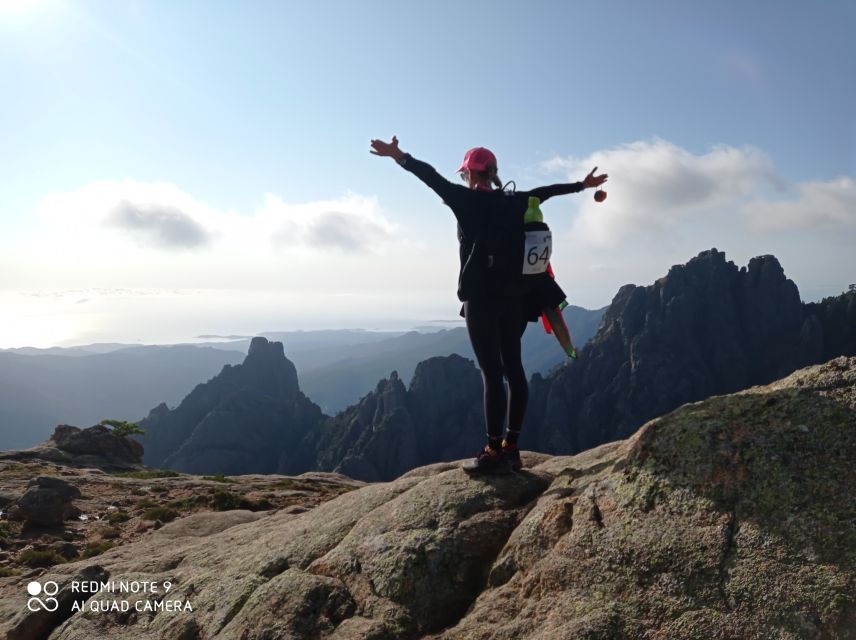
<point x="345" y="231"/>
<point x="161" y="216"/>
<point x="654" y="186"/>
<point x="667" y="204"/>
<point x="817" y="205"/>
<point x="159" y="225"/>
<point x="152" y="215"/>
<point x="353" y="224"/>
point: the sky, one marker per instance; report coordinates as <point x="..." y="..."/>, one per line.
<point x="172" y="169"/>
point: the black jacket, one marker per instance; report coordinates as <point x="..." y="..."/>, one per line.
<point x="478" y="214"/>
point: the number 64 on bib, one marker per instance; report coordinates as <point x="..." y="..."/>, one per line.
<point x="537" y="248"/>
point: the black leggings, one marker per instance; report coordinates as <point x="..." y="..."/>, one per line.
<point x="495" y="329"/>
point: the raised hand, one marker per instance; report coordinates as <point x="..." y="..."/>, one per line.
<point x="381" y="148"/>
<point x="592" y="180"/>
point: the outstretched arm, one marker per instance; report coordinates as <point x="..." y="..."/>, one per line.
<point x="450" y="193"/>
<point x="591" y="180"/>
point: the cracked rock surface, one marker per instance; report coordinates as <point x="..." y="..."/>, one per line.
<point x="729" y="518"/>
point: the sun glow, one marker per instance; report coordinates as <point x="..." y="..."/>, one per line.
<point x="38" y="321"/>
<point x="20" y="7"/>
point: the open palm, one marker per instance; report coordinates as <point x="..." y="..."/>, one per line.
<point x="592" y="180"/>
<point x="381" y="148"/>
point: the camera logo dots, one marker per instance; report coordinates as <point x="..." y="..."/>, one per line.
<point x="48" y="589"/>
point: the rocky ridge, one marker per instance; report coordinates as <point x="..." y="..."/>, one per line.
<point x="55" y="510"/>
<point x="96" y="446"/>
<point x="241" y="421"/>
<point x="727" y="518"/>
<point x="395" y="428"/>
<point x="706" y="328"/>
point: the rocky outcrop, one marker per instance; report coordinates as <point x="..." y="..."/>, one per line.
<point x="97" y="441"/>
<point x="51" y="513"/>
<point x="728" y="518"/>
<point x="97" y="446"/>
<point x="706" y="328"/>
<point x="47" y="502"/>
<point x="393" y="429"/>
<point x="240" y="421"/>
<point x="829" y="328"/>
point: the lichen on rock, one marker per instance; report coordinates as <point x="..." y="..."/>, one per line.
<point x="728" y="518"/>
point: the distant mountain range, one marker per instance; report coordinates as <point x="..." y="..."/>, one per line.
<point x="37" y="392"/>
<point x="40" y="388"/>
<point x="706" y="328"/>
<point x="336" y="383"/>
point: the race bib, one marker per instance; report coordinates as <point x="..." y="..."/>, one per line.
<point x="536" y="252"/>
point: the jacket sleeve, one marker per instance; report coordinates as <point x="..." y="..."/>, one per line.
<point x="452" y="194"/>
<point x="543" y="193"/>
<point x="462" y="201"/>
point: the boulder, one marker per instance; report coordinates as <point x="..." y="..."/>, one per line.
<point x="67" y="550"/>
<point x="97" y="441"/>
<point x="47" y="502"/>
<point x="96" y="447"/>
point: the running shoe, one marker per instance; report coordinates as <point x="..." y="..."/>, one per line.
<point x="488" y="461"/>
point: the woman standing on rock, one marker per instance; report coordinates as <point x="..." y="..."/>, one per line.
<point x="495" y="309"/>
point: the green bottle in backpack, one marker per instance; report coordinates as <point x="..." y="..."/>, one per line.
<point x="533" y="213"/>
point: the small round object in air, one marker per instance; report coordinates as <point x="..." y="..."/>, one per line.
<point x="599" y="195"/>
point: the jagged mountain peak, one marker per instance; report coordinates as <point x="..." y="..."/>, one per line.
<point x="240" y="420"/>
<point x="705" y="328"/>
<point x="262" y="348"/>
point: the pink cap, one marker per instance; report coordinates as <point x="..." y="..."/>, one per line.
<point x="478" y="159"/>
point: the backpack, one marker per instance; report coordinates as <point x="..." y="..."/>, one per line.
<point x="517" y="247"/>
